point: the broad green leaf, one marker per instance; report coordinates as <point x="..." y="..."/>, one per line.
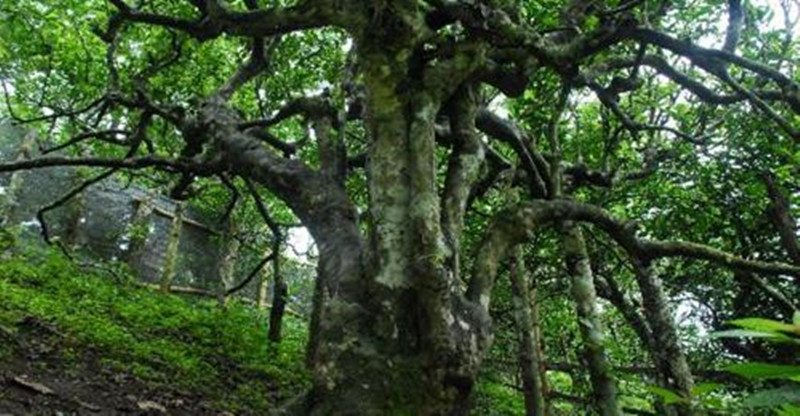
<point x="788" y="410"/>
<point x="774" y="397"/>
<point x="764" y="370"/>
<point x="796" y="317"/>
<point x="760" y="324"/>
<point x="746" y="333"/>
<point x="668" y="396"/>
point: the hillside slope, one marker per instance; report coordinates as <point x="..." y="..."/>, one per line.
<point x="78" y="342"/>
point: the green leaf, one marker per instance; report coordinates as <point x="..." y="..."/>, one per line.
<point x="761" y="324"/>
<point x="746" y="333"/>
<point x="764" y="370"/>
<point x="705" y="388"/>
<point x="774" y="397"/>
<point x="669" y="396"/>
<point x="796" y="318"/>
<point x="788" y="410"/>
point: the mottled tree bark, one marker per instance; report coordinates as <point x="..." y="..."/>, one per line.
<point x="395" y="333"/>
<point x="607" y="288"/>
<point x="673" y="370"/>
<point x="317" y="303"/>
<point x="583" y="292"/>
<point x="527" y="333"/>
<point x="385" y="360"/>
<point x="591" y="327"/>
<point x="781" y="217"/>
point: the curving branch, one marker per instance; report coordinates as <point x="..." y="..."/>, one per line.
<point x="609" y="100"/>
<point x="532" y="161"/>
<point x="234" y="192"/>
<point x="517" y="225"/>
<point x="259" y="62"/>
<point x="463" y="169"/>
<point x="142" y="162"/>
<point x="312" y="107"/>
<point x="45" y="230"/>
<point x="217" y="19"/>
<point x="107" y="136"/>
<point x="241" y="285"/>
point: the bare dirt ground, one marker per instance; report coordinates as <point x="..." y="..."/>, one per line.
<point x="37" y="378"/>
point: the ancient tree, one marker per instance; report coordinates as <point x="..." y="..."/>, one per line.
<point x="392" y="162"/>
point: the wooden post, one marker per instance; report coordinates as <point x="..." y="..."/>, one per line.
<point x="263" y="287"/>
<point x="230" y="251"/>
<point x="280" y="292"/>
<point x="8" y="204"/>
<point x="139" y="227"/>
<point x="171" y="256"/>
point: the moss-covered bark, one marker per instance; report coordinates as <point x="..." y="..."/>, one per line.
<point x="412" y="344"/>
<point x="673" y="370"/>
<point x="590" y="324"/>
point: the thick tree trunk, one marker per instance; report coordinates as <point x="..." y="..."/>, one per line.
<point x="528" y="331"/>
<point x="404" y="340"/>
<point x="317" y="303"/>
<point x="371" y="358"/>
<point x="591" y="327"/>
<point x="396" y="334"/>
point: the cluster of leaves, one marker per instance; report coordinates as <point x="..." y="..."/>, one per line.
<point x="221" y="354"/>
<point x="784" y="395"/>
